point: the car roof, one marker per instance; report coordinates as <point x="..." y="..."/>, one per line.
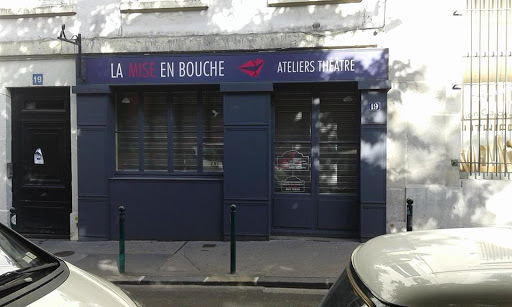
<point x="438" y="267"/>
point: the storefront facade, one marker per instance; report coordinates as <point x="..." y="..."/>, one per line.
<point x="178" y="139"/>
<point x="315" y="117"/>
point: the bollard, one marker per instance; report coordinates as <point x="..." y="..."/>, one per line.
<point x="409" y="214"/>
<point x="233" y="239"/>
<point x="121" y="239"/>
<point x="13" y="217"/>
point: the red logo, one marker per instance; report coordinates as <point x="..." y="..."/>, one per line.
<point x="253" y="67"/>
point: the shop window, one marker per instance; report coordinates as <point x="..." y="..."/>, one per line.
<point x="213" y="132"/>
<point x="155" y="131"/>
<point x="487" y="91"/>
<point x="185" y="131"/>
<point x="339" y="143"/>
<point x="316" y="146"/>
<point x="145" y="121"/>
<point x="127" y="139"/>
<point x="292" y="146"/>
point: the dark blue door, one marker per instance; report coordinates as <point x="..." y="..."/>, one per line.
<point x="316" y="160"/>
<point x="42" y="161"/>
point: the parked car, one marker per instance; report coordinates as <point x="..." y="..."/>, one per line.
<point x="448" y="267"/>
<point x="30" y="276"/>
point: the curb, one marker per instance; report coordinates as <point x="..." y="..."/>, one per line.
<point x="245" y="281"/>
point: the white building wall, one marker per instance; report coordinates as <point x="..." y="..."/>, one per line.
<point x="425" y="42"/>
<point x="5" y="154"/>
<point x="18" y="73"/>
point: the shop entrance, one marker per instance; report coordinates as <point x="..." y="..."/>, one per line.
<point x="316" y="160"/>
<point x="41" y="153"/>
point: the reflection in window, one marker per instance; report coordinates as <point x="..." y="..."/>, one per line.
<point x="339" y="143"/>
<point x="155" y="131"/>
<point x="213" y="132"/>
<point x="127" y="127"/>
<point x="333" y="134"/>
<point x="185" y="131"/>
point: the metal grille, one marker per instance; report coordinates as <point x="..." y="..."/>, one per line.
<point x="487" y="90"/>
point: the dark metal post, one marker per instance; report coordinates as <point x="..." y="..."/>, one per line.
<point x="233" y="239"/>
<point x="409" y="214"/>
<point x="13" y="217"/>
<point x="121" y="239"/>
<point x="79" y="44"/>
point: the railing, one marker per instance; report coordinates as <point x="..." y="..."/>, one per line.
<point x="486" y="124"/>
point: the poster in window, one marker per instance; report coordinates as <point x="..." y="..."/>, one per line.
<point x="293" y="184"/>
<point x="293" y="160"/>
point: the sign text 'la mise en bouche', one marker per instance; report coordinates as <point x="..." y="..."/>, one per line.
<point x="365" y="64"/>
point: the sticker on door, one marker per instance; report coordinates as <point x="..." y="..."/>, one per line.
<point x="38" y="157"/>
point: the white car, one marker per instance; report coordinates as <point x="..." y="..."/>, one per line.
<point x="30" y="276"/>
<point x="448" y="267"/>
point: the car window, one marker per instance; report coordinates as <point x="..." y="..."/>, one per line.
<point x="24" y="268"/>
<point x="15" y="256"/>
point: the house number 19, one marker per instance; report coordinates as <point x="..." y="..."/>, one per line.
<point x="37" y="79"/>
<point x="374" y="106"/>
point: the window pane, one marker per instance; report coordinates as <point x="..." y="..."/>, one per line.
<point x="155" y="151"/>
<point x="293" y="116"/>
<point x="292" y="168"/>
<point x="127" y="151"/>
<point x="339" y="168"/>
<point x="292" y="149"/>
<point x="185" y="131"/>
<point x="339" y="120"/>
<point x="127" y="126"/>
<point x="155" y="131"/>
<point x="339" y="139"/>
<point x="213" y="132"/>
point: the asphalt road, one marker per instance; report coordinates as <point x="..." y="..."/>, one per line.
<point x="223" y="296"/>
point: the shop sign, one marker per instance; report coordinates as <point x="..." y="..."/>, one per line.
<point x="293" y="184"/>
<point x="282" y="66"/>
<point x="293" y="160"/>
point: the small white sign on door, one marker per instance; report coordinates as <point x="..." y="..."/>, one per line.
<point x="38" y="157"/>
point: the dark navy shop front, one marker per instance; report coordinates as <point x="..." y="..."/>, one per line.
<point x="296" y="140"/>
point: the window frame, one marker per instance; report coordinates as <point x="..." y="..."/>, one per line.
<point x="161" y="6"/>
<point x="486" y="88"/>
<point x="316" y="92"/>
<point x="42" y="10"/>
<point x="170" y="130"/>
<point x="286" y="3"/>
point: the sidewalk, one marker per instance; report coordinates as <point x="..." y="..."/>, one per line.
<point x="283" y="262"/>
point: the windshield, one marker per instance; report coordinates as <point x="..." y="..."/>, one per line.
<point x="14" y="255"/>
<point x="23" y="266"/>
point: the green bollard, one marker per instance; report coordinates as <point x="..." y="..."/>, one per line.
<point x="121" y="239"/>
<point x="233" y="239"/>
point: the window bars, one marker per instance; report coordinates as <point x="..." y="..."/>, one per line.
<point x="487" y="90"/>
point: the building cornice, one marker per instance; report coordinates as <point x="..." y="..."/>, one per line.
<point x="179" y="44"/>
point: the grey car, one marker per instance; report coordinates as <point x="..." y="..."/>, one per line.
<point x="448" y="267"/>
